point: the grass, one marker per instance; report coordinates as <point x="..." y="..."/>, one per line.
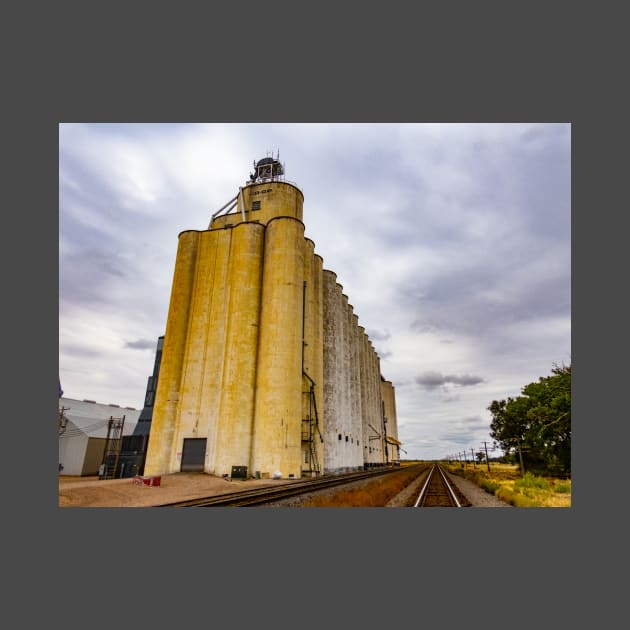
<point x="376" y="493"/>
<point x="505" y="482"/>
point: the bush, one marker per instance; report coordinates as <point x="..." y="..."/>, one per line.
<point x="519" y="500"/>
<point x="562" y="487"/>
<point x="529" y="482"/>
<point x="490" y="486"/>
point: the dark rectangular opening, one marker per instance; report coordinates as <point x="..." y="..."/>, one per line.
<point x="193" y="454"/>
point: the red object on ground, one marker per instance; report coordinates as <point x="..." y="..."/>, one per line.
<point x="147" y="481"/>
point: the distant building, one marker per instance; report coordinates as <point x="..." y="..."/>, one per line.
<point x="83" y="433"/>
<point x="134" y="447"/>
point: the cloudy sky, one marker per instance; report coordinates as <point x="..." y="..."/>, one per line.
<point x="452" y="242"/>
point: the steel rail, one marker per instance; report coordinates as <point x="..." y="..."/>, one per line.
<point x="446" y="483"/>
<point x="424" y="488"/>
<point x="269" y="494"/>
<point x="449" y="487"/>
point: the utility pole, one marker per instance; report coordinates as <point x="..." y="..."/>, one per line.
<point x="520" y="455"/>
<point x="472" y="454"/>
<point x="487" y="462"/>
<point x="385" y="432"/>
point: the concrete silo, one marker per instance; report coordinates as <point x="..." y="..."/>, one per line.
<point x="265" y="368"/>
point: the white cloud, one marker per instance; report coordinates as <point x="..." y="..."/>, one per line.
<point x="452" y="243"/>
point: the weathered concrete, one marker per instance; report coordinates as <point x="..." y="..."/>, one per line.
<point x="219" y="242"/>
<point x="278" y="414"/>
<point x="254" y="321"/>
<point x="316" y="344"/>
<point x="389" y="402"/>
<point x="161" y="446"/>
<point x="275" y="198"/>
<point x="357" y="414"/>
<point x="331" y="337"/>
<point x="236" y="407"/>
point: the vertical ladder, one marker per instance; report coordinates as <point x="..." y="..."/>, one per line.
<point x="308" y="435"/>
<point x="111" y="453"/>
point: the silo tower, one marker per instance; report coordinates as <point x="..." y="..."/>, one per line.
<point x="265" y="368"/>
<point x="264" y="196"/>
<point x="232" y="383"/>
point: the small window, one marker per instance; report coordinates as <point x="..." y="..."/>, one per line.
<point x="346" y="438"/>
<point x="255" y="205"/>
<point x="340" y="436"/>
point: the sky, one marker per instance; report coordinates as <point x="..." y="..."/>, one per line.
<point x="452" y="242"/>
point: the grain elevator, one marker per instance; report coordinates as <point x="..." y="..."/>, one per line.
<point x="265" y="370"/>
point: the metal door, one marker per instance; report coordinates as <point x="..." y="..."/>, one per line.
<point x="193" y="454"/>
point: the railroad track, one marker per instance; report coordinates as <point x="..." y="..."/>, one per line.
<point x="438" y="491"/>
<point x="260" y="496"/>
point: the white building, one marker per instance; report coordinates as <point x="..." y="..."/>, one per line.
<point x="83" y="433"/>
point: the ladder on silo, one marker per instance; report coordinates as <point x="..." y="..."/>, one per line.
<point x="312" y="422"/>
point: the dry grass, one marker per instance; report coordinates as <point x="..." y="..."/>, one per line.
<point x="506" y="483"/>
<point x="375" y="493"/>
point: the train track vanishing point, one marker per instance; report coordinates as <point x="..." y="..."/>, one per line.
<point x="438" y="491"/>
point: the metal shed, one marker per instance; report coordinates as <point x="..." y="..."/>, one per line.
<point x="83" y="432"/>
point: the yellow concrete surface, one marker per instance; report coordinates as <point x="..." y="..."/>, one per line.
<point x="277" y="420"/>
<point x="251" y="310"/>
<point x="160" y="445"/>
<point x="275" y="198"/>
<point x="236" y="409"/>
<point x="216" y="296"/>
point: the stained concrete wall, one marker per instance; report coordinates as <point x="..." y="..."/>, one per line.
<point x="352" y="395"/>
<point x="315" y="366"/>
<point x="161" y="444"/>
<point x="356" y="414"/>
<point x="279" y="379"/>
<point x="273" y="198"/>
<point x="389" y="401"/>
<point x="236" y="405"/>
<point x="201" y="383"/>
<point x="254" y="321"/>
<point x="313" y="381"/>
<point x="373" y="413"/>
<point x="331" y="336"/>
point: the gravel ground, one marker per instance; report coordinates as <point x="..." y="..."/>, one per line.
<point x="476" y="495"/>
<point x="407" y="497"/>
<point x="90" y="492"/>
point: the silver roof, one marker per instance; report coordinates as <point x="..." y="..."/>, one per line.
<point x="92" y="418"/>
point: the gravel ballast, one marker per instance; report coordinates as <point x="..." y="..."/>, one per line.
<point x="476" y="495"/>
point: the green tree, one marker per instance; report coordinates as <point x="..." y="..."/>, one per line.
<point x="538" y="422"/>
